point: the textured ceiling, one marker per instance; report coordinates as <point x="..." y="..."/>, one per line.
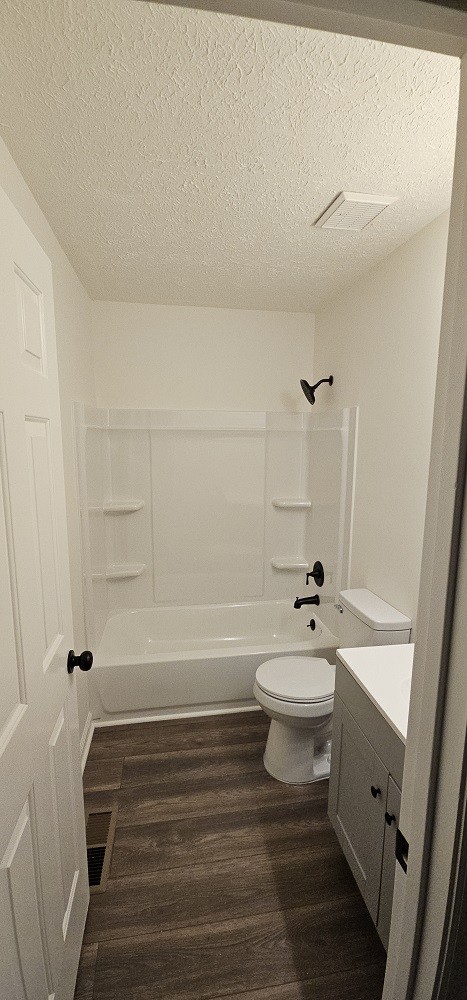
<point x="181" y="156"/>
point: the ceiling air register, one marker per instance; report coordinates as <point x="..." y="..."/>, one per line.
<point x="353" y="211"/>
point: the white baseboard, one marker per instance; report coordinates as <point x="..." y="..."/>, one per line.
<point x="125" y="720"/>
<point x="85" y="741"/>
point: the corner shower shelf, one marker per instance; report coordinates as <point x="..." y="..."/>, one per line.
<point x="125" y="571"/>
<point x="123" y="506"/>
<point x="292" y="503"/>
<point x="289" y="564"/>
<point x="118" y="506"/>
<point x="121" y="571"/>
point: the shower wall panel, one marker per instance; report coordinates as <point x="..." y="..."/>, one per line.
<point x="207" y="507"/>
<point x="92" y="454"/>
<point x="287" y="478"/>
<point x="129" y="534"/>
<point x="208" y="516"/>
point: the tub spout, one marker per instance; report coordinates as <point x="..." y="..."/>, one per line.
<point x="306" y="600"/>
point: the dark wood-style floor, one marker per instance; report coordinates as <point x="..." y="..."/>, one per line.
<point x="224" y="882"/>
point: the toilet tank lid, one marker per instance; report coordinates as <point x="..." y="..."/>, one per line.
<point x="374" y="611"/>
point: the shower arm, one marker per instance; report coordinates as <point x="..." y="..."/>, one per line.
<point x="314" y="387"/>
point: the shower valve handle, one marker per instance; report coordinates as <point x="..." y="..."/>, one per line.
<point x="317" y="574"/>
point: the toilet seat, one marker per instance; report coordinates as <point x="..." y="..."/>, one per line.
<point x="301" y="680"/>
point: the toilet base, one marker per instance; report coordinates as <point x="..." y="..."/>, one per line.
<point x="290" y="754"/>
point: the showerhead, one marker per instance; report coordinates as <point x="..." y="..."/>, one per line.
<point x="307" y="390"/>
<point x="310" y="390"/>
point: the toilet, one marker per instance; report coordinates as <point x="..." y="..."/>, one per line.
<point x="297" y="692"/>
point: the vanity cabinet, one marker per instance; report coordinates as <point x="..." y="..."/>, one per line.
<point x="389" y="861"/>
<point x="364" y="794"/>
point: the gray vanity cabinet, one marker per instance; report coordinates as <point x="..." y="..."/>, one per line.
<point x="366" y="771"/>
<point x="358" y="815"/>
<point x="389" y="863"/>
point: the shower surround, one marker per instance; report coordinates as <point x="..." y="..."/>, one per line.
<point x="211" y="519"/>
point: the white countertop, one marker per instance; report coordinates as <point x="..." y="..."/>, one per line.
<point x="385" y="674"/>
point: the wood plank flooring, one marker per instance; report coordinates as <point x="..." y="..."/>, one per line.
<point x="224" y="882"/>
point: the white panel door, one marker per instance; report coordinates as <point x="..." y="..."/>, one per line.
<point x="43" y="873"/>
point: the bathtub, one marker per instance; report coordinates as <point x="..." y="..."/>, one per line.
<point x="188" y="660"/>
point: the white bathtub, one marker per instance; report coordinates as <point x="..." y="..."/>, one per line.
<point x="166" y="661"/>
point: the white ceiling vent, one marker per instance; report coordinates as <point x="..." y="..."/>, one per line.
<point x="353" y="211"/>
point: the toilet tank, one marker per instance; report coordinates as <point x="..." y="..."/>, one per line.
<point x="366" y="620"/>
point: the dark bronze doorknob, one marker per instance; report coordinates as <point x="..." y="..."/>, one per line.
<point x="83" y="660"/>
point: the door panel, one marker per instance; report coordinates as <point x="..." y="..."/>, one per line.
<point x="42" y="521"/>
<point x="30" y="321"/>
<point x="20" y="911"/>
<point x="388" y="871"/>
<point x="13" y="695"/>
<point x="43" y="872"/>
<point x="64" y="810"/>
<point x="357" y="817"/>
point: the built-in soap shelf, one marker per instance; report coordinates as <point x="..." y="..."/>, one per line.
<point x="289" y="564"/>
<point x="121" y="571"/>
<point x="117" y="507"/>
<point x="291" y="503"/>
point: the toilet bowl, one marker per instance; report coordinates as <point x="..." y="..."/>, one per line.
<point x="297" y="692"/>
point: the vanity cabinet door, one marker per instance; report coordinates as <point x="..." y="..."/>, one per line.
<point x="389" y="861"/>
<point x="357" y="803"/>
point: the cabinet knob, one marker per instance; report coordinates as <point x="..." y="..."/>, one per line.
<point x="390" y="818"/>
<point x="375" y="791"/>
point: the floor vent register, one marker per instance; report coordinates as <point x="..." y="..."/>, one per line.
<point x="100" y="833"/>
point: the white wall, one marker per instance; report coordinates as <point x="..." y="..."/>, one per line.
<point x="380" y="340"/>
<point x="74" y="347"/>
<point x="170" y="357"/>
